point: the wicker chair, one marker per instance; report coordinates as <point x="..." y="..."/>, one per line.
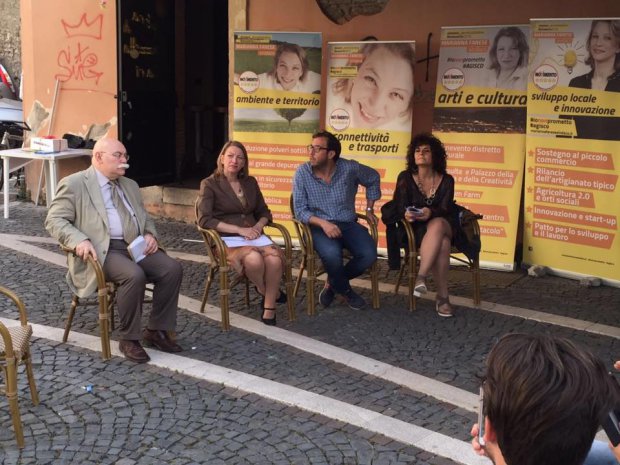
<point x="314" y="270"/>
<point x="216" y="251"/>
<point x="105" y="300"/>
<point x="410" y="264"/>
<point x="106" y="296"/>
<point x="15" y="349"/>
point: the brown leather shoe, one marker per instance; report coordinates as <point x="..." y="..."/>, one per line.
<point x="160" y="340"/>
<point x="133" y="351"/>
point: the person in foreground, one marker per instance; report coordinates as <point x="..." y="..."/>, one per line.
<point x="544" y="399"/>
<point x="426" y="185"/>
<point x="98" y="212"/>
<point x="324" y="192"/>
<point x="601" y="452"/>
<point x="231" y="202"/>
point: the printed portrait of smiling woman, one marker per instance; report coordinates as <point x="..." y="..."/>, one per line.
<point x="290" y="71"/>
<point x="507" y="61"/>
<point x="381" y="95"/>
<point x="603" y="57"/>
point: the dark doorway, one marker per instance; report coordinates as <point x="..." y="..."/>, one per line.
<point x="173" y="87"/>
<point x="146" y="103"/>
<point x="206" y="86"/>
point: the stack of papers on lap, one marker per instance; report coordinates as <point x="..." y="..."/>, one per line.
<point x="136" y="249"/>
<point x="238" y="241"/>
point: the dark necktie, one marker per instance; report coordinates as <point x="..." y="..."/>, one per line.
<point x="130" y="230"/>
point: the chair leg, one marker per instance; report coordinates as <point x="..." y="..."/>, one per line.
<point x="374" y="280"/>
<point x="205" y="294"/>
<point x="302" y="267"/>
<point x="34" y="395"/>
<point x="400" y="276"/>
<point x="75" y="300"/>
<point x="310" y="279"/>
<point x="476" y="272"/>
<point x="411" y="275"/>
<point x="104" y="325"/>
<point x="290" y="301"/>
<point x="11" y="395"/>
<point x="224" y="294"/>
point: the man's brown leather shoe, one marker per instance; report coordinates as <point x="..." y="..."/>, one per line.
<point x="160" y="340"/>
<point x="133" y="351"/>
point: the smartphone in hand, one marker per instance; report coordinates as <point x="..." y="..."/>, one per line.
<point x="415" y="211"/>
<point x="481" y="418"/>
<point x="611" y="425"/>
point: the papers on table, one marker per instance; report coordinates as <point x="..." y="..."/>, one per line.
<point x="238" y="241"/>
<point x="136" y="248"/>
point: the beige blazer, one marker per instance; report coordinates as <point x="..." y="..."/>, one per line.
<point x="77" y="213"/>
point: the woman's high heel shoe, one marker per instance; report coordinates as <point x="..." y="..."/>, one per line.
<point x="268" y="321"/>
<point x="419" y="288"/>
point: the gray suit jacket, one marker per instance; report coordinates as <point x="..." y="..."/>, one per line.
<point x="77" y="213"/>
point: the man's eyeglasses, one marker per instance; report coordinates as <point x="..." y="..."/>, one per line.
<point x="119" y="155"/>
<point x="315" y="148"/>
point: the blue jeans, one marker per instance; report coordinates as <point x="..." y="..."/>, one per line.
<point x="357" y="241"/>
<point x="600" y="454"/>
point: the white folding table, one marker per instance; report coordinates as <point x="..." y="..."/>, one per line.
<point x="49" y="164"/>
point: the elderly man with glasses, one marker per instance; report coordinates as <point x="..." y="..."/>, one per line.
<point x="324" y="191"/>
<point x="98" y="212"/>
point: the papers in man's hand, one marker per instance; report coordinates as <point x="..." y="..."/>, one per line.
<point x="136" y="248"/>
<point x="238" y="241"/>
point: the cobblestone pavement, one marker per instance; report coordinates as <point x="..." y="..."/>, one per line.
<point x="145" y="414"/>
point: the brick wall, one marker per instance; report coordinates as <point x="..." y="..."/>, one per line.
<point x="10" y="40"/>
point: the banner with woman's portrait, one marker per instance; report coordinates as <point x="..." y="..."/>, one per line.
<point x="573" y="147"/>
<point x="369" y="104"/>
<point x="480" y="115"/>
<point x="277" y="86"/>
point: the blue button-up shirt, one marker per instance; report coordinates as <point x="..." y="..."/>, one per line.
<point x="333" y="201"/>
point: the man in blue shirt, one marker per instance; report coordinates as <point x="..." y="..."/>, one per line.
<point x="324" y="191"/>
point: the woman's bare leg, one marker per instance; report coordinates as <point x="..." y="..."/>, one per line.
<point x="441" y="268"/>
<point x="437" y="230"/>
<point x="254" y="266"/>
<point x="273" y="278"/>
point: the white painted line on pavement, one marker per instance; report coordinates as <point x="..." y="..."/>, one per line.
<point x="405" y="378"/>
<point x="385" y="371"/>
<point x="422" y="384"/>
<point x="15" y="242"/>
<point x="399" y="430"/>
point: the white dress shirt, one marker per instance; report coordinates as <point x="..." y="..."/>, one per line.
<point x="114" y="220"/>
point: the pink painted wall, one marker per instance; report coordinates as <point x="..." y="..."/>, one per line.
<point x="74" y="42"/>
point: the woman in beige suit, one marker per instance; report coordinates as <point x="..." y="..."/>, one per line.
<point x="231" y="202"/>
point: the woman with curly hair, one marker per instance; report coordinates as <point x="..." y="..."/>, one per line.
<point x="427" y="186"/>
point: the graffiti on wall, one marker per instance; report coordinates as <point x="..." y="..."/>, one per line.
<point x="77" y="60"/>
